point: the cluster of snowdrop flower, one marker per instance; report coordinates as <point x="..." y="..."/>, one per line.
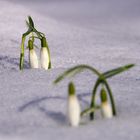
<point x="32" y="34"/>
<point x="107" y="104"/>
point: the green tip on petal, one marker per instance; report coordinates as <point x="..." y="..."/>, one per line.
<point x="30" y="45"/>
<point x="71" y="89"/>
<point x="44" y="42"/>
<point x="103" y="95"/>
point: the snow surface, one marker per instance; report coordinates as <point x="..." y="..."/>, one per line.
<point x="104" y="34"/>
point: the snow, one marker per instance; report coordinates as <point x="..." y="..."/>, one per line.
<point x="103" y="34"/>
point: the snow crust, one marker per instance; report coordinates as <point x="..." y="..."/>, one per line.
<point x="103" y="34"/>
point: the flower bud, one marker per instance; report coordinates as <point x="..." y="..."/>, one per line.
<point x="33" y="60"/>
<point x="106" y="109"/>
<point x="73" y="106"/>
<point x="44" y="54"/>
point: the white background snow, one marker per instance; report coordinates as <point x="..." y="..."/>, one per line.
<point x="102" y="33"/>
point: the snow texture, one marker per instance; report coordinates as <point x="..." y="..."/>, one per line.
<point x="102" y="33"/>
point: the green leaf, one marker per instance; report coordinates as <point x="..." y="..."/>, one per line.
<point x="89" y="110"/>
<point x="118" y="70"/>
<point x="31" y="21"/>
<point x="30" y="24"/>
<point x="75" y="70"/>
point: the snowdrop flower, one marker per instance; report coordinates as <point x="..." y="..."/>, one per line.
<point x="44" y="54"/>
<point x="33" y="60"/>
<point x="73" y="106"/>
<point x="106" y="109"/>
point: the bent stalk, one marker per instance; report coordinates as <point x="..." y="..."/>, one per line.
<point x="21" y="65"/>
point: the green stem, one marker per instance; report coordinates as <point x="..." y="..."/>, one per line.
<point x="22" y="53"/>
<point x="111" y="97"/>
<point x="92" y="105"/>
<point x="42" y="34"/>
<point x="37" y="33"/>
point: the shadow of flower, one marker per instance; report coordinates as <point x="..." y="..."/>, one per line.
<point x="37" y="101"/>
<point x="12" y="63"/>
<point x="59" y="117"/>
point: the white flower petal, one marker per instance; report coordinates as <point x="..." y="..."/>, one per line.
<point x="106" y="110"/>
<point x="44" y="58"/>
<point x="73" y="110"/>
<point x="33" y="60"/>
